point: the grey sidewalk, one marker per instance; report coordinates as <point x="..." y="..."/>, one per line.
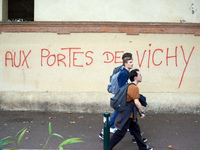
<point x="182" y="131"/>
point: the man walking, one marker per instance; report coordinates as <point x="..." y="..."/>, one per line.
<point x="122" y="80"/>
<point x="130" y="122"/>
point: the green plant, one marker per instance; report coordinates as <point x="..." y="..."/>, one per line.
<point x="16" y="141"/>
<point x="1" y="143"/>
<point x="66" y="142"/>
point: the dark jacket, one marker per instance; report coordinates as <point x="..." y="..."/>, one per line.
<point x="123" y="116"/>
<point x="123" y="77"/>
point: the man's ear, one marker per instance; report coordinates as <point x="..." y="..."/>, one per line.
<point x="135" y="77"/>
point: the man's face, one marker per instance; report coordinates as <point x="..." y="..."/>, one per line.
<point x="129" y="64"/>
<point x="139" y="77"/>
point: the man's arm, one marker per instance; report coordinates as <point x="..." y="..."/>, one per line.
<point x="139" y="106"/>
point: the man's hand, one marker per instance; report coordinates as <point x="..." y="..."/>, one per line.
<point x="142" y="116"/>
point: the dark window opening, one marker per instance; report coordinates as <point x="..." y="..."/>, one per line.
<point x="20" y="10"/>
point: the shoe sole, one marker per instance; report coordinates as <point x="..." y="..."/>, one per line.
<point x="134" y="142"/>
<point x="113" y="131"/>
<point x="100" y="137"/>
<point x="143" y="141"/>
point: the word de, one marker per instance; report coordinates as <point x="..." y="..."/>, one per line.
<point x="22" y="58"/>
<point x="110" y="57"/>
<point x="57" y="59"/>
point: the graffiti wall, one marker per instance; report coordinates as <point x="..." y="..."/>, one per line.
<point x="47" y="71"/>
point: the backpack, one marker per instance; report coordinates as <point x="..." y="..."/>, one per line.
<point x="118" y="102"/>
<point x="113" y="86"/>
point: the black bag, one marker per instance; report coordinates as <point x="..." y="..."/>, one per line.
<point x="118" y="102"/>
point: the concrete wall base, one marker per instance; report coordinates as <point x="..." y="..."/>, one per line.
<point x="70" y="101"/>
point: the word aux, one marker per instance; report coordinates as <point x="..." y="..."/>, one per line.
<point x="69" y="58"/>
<point x="152" y="53"/>
<point x="17" y="60"/>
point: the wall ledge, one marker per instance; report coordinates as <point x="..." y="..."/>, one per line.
<point x="130" y="28"/>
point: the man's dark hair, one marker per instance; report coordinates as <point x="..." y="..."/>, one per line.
<point x="133" y="74"/>
<point x="126" y="55"/>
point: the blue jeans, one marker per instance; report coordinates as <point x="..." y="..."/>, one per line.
<point x="112" y="119"/>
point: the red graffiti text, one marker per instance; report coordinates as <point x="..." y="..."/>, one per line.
<point x="22" y="58"/>
<point x="157" y="62"/>
<point x="110" y="57"/>
<point x="70" y="57"/>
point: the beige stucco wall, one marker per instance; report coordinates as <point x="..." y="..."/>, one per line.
<point x="117" y="10"/>
<point x="171" y="81"/>
<point x="1" y="11"/>
<point x="113" y="10"/>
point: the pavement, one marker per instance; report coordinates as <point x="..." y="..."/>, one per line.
<point x="163" y="131"/>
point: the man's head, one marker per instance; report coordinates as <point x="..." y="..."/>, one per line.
<point x="128" y="63"/>
<point x="135" y="75"/>
<point x="127" y="60"/>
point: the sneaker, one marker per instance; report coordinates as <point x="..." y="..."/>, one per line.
<point x="144" y="140"/>
<point x="134" y="141"/>
<point x="101" y="136"/>
<point x="148" y="148"/>
<point x="113" y="130"/>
